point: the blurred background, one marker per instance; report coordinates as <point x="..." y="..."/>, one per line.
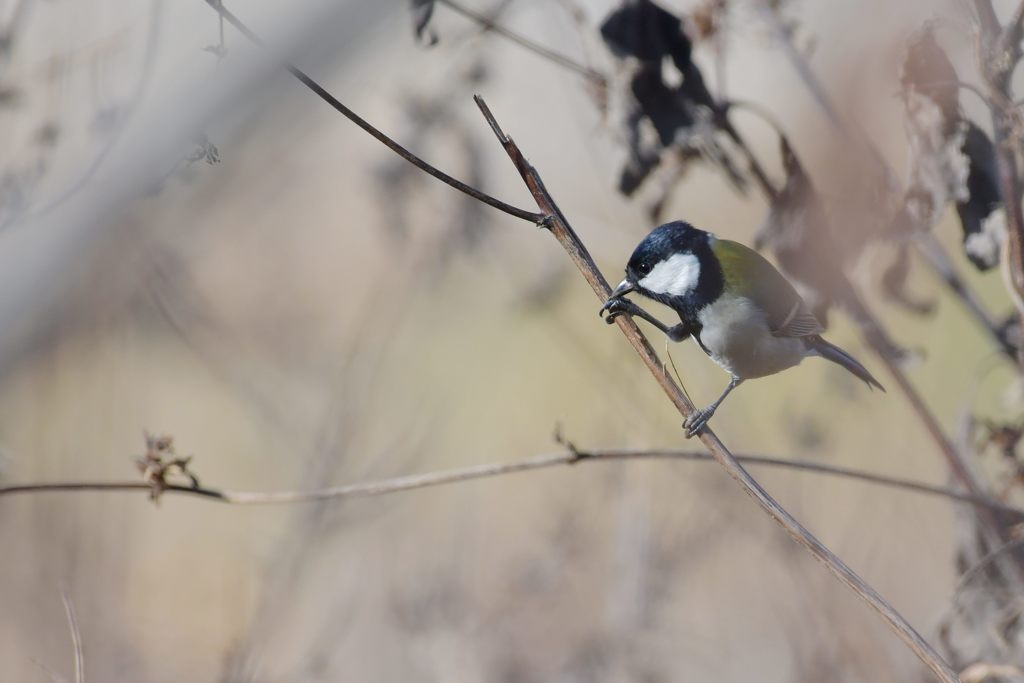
<point x="194" y="244"/>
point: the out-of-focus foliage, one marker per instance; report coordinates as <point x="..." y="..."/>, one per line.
<point x="312" y="311"/>
<point x="951" y="158"/>
<point x="798" y="233"/>
<point x="669" y="116"/>
<point x="422" y="11"/>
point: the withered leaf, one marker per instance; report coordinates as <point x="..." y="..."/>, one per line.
<point x="798" y="231"/>
<point x="422" y="11"/>
<point x="663" y="120"/>
<point x="951" y="159"/>
<point x="645" y="31"/>
<point x="928" y="71"/>
<point x="981" y="236"/>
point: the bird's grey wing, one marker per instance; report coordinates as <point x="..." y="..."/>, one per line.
<point x="787" y="314"/>
<point x="799" y="322"/>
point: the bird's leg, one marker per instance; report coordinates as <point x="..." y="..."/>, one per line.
<point x="697" y="419"/>
<point x="616" y="307"/>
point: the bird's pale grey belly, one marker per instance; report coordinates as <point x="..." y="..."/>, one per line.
<point x="736" y="336"/>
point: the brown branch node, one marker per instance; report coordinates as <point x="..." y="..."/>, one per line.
<point x="161" y="462"/>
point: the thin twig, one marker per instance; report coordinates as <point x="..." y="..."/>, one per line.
<point x="524" y="42"/>
<point x="941" y="265"/>
<point x="76" y="638"/>
<point x="984" y="562"/>
<point x="987" y="17"/>
<point x="567" y="238"/>
<point x="997" y="67"/>
<point x="419" y="163"/>
<point x="1010" y="40"/>
<point x="419" y="481"/>
<point x="800" y="65"/>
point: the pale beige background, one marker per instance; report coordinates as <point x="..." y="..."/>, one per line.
<point x="266" y="313"/>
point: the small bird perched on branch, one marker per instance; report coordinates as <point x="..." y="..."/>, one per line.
<point x="738" y="308"/>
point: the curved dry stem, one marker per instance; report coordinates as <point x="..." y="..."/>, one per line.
<point x="76" y="638"/>
<point x="977" y="568"/>
<point x="419" y="163"/>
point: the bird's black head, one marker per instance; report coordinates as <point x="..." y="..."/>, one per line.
<point x="674" y="264"/>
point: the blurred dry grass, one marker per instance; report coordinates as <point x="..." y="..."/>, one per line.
<point x="264" y="312"/>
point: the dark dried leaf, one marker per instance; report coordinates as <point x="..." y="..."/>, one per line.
<point x="928" y="71"/>
<point x="662" y="118"/>
<point x="422" y="11"/>
<point x="938" y="168"/>
<point x="798" y="232"/>
<point x="951" y="159"/>
<point x="645" y="31"/>
<point x="982" y="236"/>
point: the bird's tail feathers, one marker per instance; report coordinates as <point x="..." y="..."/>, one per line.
<point x="831" y="352"/>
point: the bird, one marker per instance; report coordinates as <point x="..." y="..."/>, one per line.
<point x="740" y="310"/>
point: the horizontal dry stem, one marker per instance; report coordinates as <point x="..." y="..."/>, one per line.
<point x="547" y="461"/>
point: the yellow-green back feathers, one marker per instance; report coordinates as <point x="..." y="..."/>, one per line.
<point x="748" y="274"/>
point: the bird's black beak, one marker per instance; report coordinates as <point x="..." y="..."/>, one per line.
<point x="624" y="288"/>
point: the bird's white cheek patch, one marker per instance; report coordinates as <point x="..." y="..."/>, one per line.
<point x="677" y="275"/>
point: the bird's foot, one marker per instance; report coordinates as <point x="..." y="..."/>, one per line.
<point x="696" y="421"/>
<point x="615" y="307"/>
